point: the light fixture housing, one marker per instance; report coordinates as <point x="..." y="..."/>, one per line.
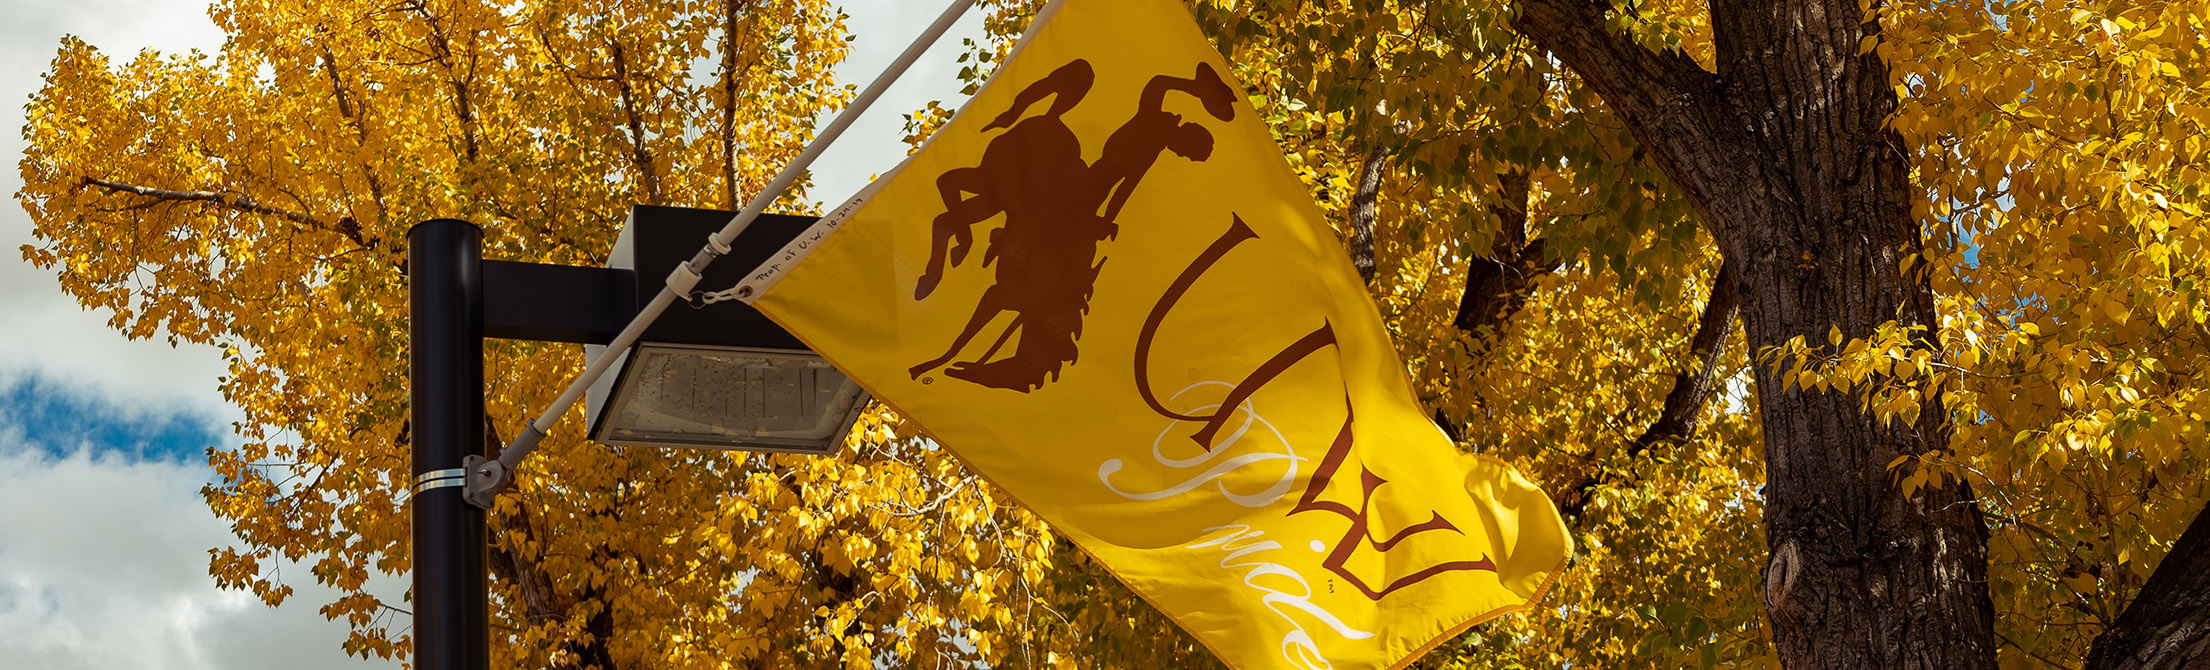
<point x="719" y="376"/>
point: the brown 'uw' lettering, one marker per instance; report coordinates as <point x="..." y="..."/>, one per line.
<point x="1323" y="337"/>
<point x="1057" y="209"/>
<point x="1358" y="533"/>
<point x="1360" y="519"/>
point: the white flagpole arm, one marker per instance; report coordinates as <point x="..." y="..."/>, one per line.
<point x="486" y="477"/>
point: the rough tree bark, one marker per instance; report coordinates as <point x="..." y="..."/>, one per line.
<point x="1784" y="154"/>
<point x="1365" y="205"/>
<point x="2167" y="626"/>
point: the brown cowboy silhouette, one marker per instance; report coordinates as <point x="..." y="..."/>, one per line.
<point x="1057" y="209"/>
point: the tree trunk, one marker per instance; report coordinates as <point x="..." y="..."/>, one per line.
<point x="1784" y="153"/>
<point x="2167" y="626"/>
<point x="542" y="602"/>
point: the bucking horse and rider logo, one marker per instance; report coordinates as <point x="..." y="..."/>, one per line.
<point x="1058" y="209"/>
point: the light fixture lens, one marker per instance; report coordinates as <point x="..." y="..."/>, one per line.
<point x="728" y="398"/>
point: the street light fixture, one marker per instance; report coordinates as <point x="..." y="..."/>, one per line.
<point x="455" y="299"/>
<point x="726" y="398"/>
<point x="719" y="376"/>
<point x="716" y="376"/>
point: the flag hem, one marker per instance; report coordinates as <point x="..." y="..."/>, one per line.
<point x="1533" y="597"/>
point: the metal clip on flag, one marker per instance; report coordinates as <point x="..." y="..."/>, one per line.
<point x="487" y="477"/>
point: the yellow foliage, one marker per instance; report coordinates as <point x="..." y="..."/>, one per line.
<point x="258" y="198"/>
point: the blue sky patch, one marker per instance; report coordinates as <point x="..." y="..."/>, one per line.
<point x="51" y="417"/>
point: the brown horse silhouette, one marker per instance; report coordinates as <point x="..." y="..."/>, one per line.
<point x="1057" y="209"/>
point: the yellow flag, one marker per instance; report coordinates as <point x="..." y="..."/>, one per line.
<point x="1102" y="287"/>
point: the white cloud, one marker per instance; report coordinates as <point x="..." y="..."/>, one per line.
<point x="48" y="335"/>
<point x="103" y="565"/>
<point x="103" y="559"/>
<point x="103" y="556"/>
<point x="45" y="332"/>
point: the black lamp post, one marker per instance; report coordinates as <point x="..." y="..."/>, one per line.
<point x="445" y="300"/>
<point x="718" y="376"/>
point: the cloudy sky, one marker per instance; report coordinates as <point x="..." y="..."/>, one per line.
<point x="103" y="538"/>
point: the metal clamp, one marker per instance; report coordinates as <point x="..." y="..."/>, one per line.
<point x="438" y="479"/>
<point x="485" y="479"/>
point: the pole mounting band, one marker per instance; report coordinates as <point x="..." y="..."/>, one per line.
<point x="438" y="479"/>
<point x="440" y="474"/>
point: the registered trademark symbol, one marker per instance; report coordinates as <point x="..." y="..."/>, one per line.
<point x="927" y="381"/>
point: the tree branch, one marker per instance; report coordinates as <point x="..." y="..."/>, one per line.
<point x="464" y="106"/>
<point x="2167" y="626"/>
<point x="640" y="152"/>
<point x="541" y="600"/>
<point x="358" y="116"/>
<point x="1497" y="287"/>
<point x="1365" y="207"/>
<point x="1684" y="404"/>
<point x="1623" y="72"/>
<point x="1668" y="102"/>
<point x="234" y="201"/>
<point x="731" y="84"/>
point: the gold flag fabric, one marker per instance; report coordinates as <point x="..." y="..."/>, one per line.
<point x="1101" y="286"/>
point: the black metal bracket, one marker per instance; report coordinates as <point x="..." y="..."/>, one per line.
<point x="556" y="303"/>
